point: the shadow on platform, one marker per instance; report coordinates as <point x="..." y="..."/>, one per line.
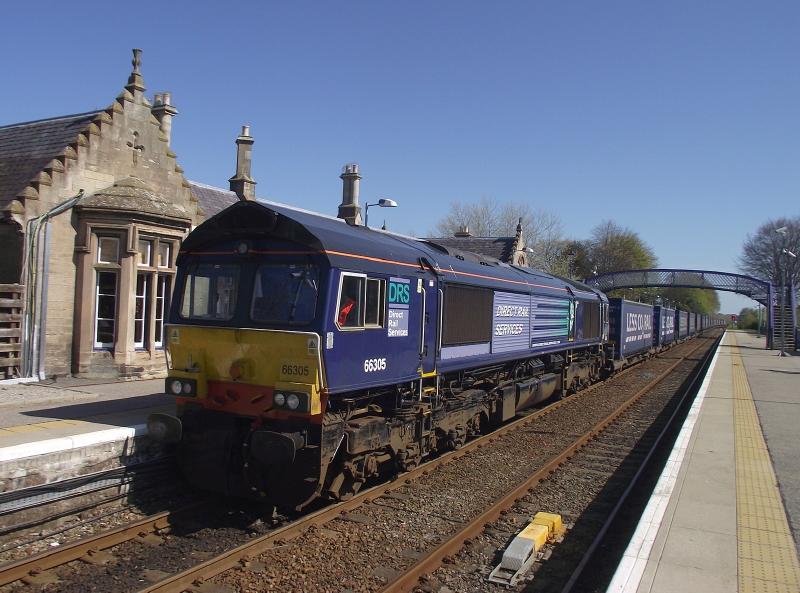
<point x="104" y="411"/>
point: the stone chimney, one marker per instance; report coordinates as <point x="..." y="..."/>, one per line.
<point x="463" y="232"/>
<point x="164" y="112"/>
<point x="349" y="210"/>
<point x="242" y="184"/>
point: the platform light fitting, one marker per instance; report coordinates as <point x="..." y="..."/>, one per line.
<point x="383" y="203"/>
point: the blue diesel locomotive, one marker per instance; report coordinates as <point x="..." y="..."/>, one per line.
<point x="308" y="356"/>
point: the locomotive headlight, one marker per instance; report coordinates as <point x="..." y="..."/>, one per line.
<point x="279" y="399"/>
<point x="181" y="387"/>
<point x="292" y="401"/>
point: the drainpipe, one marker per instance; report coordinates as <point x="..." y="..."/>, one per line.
<point x="35" y="267"/>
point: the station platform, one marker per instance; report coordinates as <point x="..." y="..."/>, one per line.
<point x="725" y="514"/>
<point x="55" y="431"/>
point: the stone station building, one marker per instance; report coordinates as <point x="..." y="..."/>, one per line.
<point x="93" y="208"/>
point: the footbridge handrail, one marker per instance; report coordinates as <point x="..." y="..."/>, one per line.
<point x="757" y="289"/>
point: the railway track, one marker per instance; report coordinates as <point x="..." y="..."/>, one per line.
<point x="428" y="503"/>
<point x="611" y="461"/>
<point x="62" y="512"/>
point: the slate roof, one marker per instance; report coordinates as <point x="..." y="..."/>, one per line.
<point x="27" y="148"/>
<point x="501" y="248"/>
<point x="212" y="199"/>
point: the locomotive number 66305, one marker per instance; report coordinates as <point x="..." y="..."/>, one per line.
<point x="294" y="370"/>
<point x="374" y="364"/>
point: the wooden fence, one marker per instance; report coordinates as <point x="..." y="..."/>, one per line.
<point x="11" y="303"/>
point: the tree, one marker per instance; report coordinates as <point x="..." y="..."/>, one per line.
<point x="482" y="219"/>
<point x="575" y="259"/>
<point x="699" y="300"/>
<point x="762" y="252"/>
<point x="747" y="319"/>
<point x="615" y="248"/>
<point x="489" y="217"/>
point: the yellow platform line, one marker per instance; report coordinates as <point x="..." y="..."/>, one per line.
<point x="767" y="557"/>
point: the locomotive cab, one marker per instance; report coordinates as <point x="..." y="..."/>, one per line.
<point x="267" y="323"/>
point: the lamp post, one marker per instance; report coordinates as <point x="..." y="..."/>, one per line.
<point x="383" y="203"/>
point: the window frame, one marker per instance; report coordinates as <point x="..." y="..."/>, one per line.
<point x="106" y="266"/>
<point x="381" y="303"/>
<point x="100" y="239"/>
<point x="155" y="275"/>
<point x="144" y="320"/>
<point x="151" y="243"/>
<point x="97" y="345"/>
<point x="161" y="308"/>
<point x="188" y="283"/>
<point x="362" y="325"/>
<point x="169" y="245"/>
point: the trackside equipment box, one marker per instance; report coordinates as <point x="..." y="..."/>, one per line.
<point x="631" y="327"/>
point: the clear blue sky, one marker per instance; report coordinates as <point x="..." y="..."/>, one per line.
<point x="677" y="119"/>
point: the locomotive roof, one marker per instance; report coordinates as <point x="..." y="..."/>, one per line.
<point x="362" y="248"/>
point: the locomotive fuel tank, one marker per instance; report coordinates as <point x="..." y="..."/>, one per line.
<point x="530" y="393"/>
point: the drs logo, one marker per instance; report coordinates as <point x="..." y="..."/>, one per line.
<point x="398" y="293"/>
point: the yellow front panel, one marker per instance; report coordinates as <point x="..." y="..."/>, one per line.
<point x="271" y="358"/>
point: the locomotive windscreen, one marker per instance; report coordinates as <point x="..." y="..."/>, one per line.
<point x="467" y="315"/>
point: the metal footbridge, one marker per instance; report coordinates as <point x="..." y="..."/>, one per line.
<point x="779" y="304"/>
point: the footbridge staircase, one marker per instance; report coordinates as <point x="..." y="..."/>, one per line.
<point x="784" y="329"/>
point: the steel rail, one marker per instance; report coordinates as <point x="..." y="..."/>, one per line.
<point x="700" y="372"/>
<point x="19" y="569"/>
<point x="408" y="580"/>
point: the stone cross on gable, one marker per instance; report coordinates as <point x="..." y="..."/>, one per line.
<point x="136" y="148"/>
